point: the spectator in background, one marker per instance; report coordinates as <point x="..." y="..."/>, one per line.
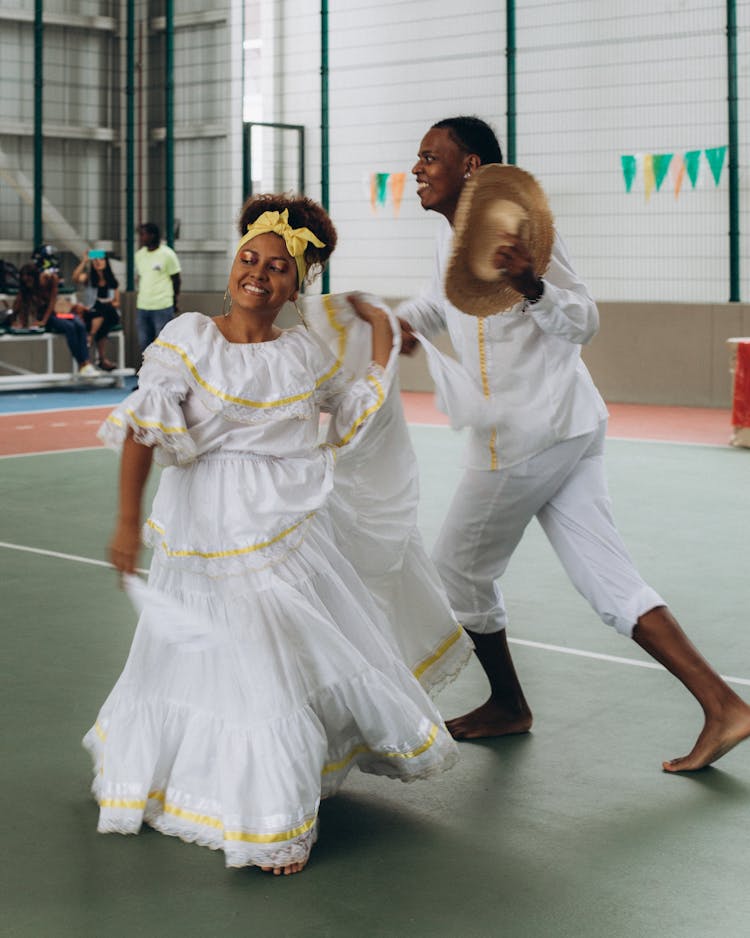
<point x="101" y="302"/>
<point x="158" y="269"/>
<point x="34" y="307"/>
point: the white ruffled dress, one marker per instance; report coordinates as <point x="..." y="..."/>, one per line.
<point x="292" y="622"/>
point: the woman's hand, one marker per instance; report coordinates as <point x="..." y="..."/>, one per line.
<point x="125" y="546"/>
<point x="134" y="469"/>
<point x="409" y="341"/>
<point x="367" y="311"/>
<point x="380" y="321"/>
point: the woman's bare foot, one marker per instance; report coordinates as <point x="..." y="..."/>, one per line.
<point x="718" y="736"/>
<point x="491" y="719"/>
<point x="285" y="870"/>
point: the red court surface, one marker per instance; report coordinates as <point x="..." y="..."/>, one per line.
<point x="629" y="421"/>
<point x="75" y="428"/>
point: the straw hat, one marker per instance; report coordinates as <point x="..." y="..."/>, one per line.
<point x="497" y="202"/>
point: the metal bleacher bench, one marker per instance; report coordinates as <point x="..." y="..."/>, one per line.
<point x="23" y="378"/>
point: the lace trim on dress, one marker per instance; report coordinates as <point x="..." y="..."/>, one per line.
<point x="172" y="443"/>
<point x="376" y="377"/>
<point x="300" y="404"/>
<point x="241" y="847"/>
<point x="256" y="555"/>
<point x="444" y="665"/>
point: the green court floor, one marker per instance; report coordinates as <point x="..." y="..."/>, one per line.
<point x="572" y="830"/>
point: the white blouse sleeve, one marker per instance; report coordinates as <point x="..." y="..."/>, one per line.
<point x="426" y="312"/>
<point x="566" y="308"/>
<point x="356" y="391"/>
<point x="155" y="415"/>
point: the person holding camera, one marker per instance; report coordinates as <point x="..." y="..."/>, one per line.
<point x="100" y="310"/>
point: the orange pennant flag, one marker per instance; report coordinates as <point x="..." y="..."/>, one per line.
<point x="397" y="181"/>
<point x="679" y="174"/>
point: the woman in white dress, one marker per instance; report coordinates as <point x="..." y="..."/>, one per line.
<point x="264" y="665"/>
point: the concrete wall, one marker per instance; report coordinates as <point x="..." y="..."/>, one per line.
<point x="666" y="353"/>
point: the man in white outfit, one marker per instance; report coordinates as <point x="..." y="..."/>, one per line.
<point x="540" y="455"/>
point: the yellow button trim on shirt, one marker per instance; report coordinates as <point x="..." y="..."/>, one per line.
<point x="486" y="387"/>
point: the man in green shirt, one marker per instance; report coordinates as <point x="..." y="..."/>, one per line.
<point x="158" y="269"/>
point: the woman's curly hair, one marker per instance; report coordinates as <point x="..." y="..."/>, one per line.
<point x="303" y="213"/>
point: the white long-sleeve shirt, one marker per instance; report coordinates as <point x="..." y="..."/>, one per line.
<point x="523" y="366"/>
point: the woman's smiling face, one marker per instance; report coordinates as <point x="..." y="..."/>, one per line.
<point x="263" y="275"/>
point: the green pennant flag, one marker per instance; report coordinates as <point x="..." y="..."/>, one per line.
<point x="661" y="165"/>
<point x="715" y="157"/>
<point x="692" y="165"/>
<point x="382" y="187"/>
<point x="629" y="166"/>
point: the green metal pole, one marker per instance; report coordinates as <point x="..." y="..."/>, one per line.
<point x="247" y="160"/>
<point x="38" y="97"/>
<point x="301" y="166"/>
<point x="130" y="148"/>
<point x="324" y="119"/>
<point x="510" y="80"/>
<point x="169" y="120"/>
<point x="734" y="155"/>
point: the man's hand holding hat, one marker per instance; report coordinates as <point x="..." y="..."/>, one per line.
<point x="502" y="241"/>
<point x="514" y="261"/>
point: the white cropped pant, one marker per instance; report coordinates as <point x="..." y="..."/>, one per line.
<point x="565" y="488"/>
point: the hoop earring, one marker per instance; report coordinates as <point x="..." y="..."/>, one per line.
<point x="300" y="314"/>
<point x="226" y="310"/>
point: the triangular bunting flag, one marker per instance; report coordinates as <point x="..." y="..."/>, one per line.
<point x="692" y="165"/>
<point x="715" y="157"/>
<point x="382" y="187"/>
<point x="629" y="166"/>
<point x="661" y="163"/>
<point x="397" y="190"/>
<point x="678" y="174"/>
<point x="648" y="174"/>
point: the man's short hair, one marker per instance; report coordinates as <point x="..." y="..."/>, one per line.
<point x="150" y="229"/>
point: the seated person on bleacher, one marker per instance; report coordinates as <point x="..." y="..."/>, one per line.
<point x="34" y="307"/>
<point x="101" y="301"/>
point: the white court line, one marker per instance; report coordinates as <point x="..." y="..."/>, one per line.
<point x="638" y="439"/>
<point x="52" y="452"/>
<point x="560" y="649"/>
<point x="59" y="556"/>
<point x="634" y="662"/>
<point x="56" y="410"/>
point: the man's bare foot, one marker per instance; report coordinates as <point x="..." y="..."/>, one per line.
<point x="491" y="719"/>
<point x="718" y="736"/>
<point x="284" y="870"/>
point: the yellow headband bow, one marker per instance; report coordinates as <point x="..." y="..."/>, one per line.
<point x="296" y="239"/>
